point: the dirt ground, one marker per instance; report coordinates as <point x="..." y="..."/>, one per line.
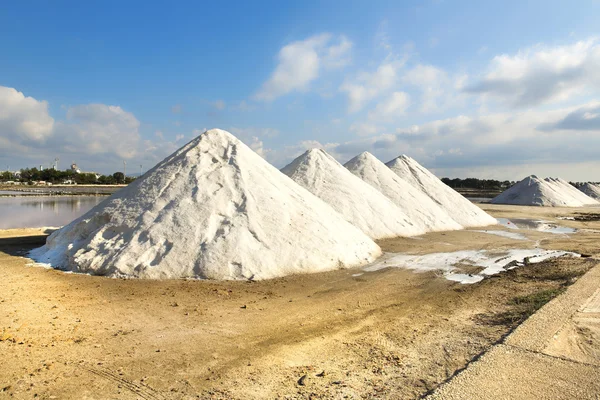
<point x="392" y="333"/>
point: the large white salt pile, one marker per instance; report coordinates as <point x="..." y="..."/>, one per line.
<point x="213" y="209"/>
<point x="456" y="205"/>
<point x="533" y="191"/>
<point x="421" y="210"/>
<point x="361" y="204"/>
<point x="567" y="188"/>
<point x="591" y="189"/>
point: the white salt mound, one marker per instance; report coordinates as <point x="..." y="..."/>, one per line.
<point x="358" y="202"/>
<point x="421" y="210"/>
<point x="591" y="189"/>
<point x="213" y="209"/>
<point x="533" y="191"/>
<point x="456" y="205"/>
<point x="572" y="191"/>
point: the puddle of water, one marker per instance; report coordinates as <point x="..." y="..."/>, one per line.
<point x="510" y="235"/>
<point x="492" y="262"/>
<point x="535" y="225"/>
<point x="507" y="223"/>
<point x="35" y="212"/>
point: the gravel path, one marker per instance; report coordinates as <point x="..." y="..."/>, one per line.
<point x="553" y="355"/>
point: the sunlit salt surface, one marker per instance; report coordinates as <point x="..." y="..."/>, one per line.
<point x="448" y="264"/>
<point x="35" y="212"/>
<point x="535" y="225"/>
<point x="510" y="235"/>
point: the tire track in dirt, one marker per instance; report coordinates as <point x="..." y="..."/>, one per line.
<point x="143" y="391"/>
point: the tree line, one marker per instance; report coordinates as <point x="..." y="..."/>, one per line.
<point x="474" y="183"/>
<point x="30" y="175"/>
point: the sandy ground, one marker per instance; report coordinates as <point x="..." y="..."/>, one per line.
<point x="386" y="334"/>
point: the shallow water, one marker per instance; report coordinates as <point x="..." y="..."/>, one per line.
<point x="536" y="225"/>
<point x="506" y="234"/>
<point x="35" y="212"/>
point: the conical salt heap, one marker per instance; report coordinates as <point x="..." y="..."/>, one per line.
<point x="213" y="209"/>
<point x="533" y="191"/>
<point x="456" y="205"/>
<point x="358" y="202"/>
<point x="572" y="191"/>
<point x="421" y="210"/>
<point x="591" y="189"/>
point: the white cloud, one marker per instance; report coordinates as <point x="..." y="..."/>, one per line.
<point x="368" y="85"/>
<point x="219" y="105"/>
<point x="259" y="132"/>
<point x="338" y="56"/>
<point x="540" y="142"/>
<point x="431" y="82"/>
<point x="244" y="106"/>
<point x="300" y="63"/>
<point x="100" y="129"/>
<point x="252" y="137"/>
<point x="23" y="118"/>
<point x="176" y="109"/>
<point x="365" y="129"/>
<point x="542" y="74"/>
<point x="392" y="107"/>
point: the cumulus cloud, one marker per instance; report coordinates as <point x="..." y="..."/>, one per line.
<point x="338" y="56"/>
<point x="586" y="118"/>
<point x="365" y="129"/>
<point x="431" y="81"/>
<point x="300" y="62"/>
<point x="100" y="129"/>
<point x="369" y="85"/>
<point x="95" y="133"/>
<point x="517" y="143"/>
<point x="541" y="74"/>
<point x="391" y="107"/>
<point x="23" y="118"/>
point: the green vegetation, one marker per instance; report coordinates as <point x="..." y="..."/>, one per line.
<point x="522" y="307"/>
<point x="32" y="175"/>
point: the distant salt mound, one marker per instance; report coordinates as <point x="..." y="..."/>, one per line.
<point x="421" y="210"/>
<point x="358" y="202"/>
<point x="533" y="191"/>
<point x="456" y="205"/>
<point x="213" y="209"/>
<point x="591" y="189"/>
<point x="572" y="191"/>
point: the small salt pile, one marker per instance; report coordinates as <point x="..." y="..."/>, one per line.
<point x="456" y="205"/>
<point x="360" y="203"/>
<point x="549" y="192"/>
<point x="419" y="207"/>
<point x="591" y="189"/>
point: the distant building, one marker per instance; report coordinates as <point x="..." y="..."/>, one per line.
<point x="75" y="169"/>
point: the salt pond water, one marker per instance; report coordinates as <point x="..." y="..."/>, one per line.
<point x="536" y="225"/>
<point x="34" y="212"/>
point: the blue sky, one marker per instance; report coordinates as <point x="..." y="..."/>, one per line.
<point x="487" y="89"/>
